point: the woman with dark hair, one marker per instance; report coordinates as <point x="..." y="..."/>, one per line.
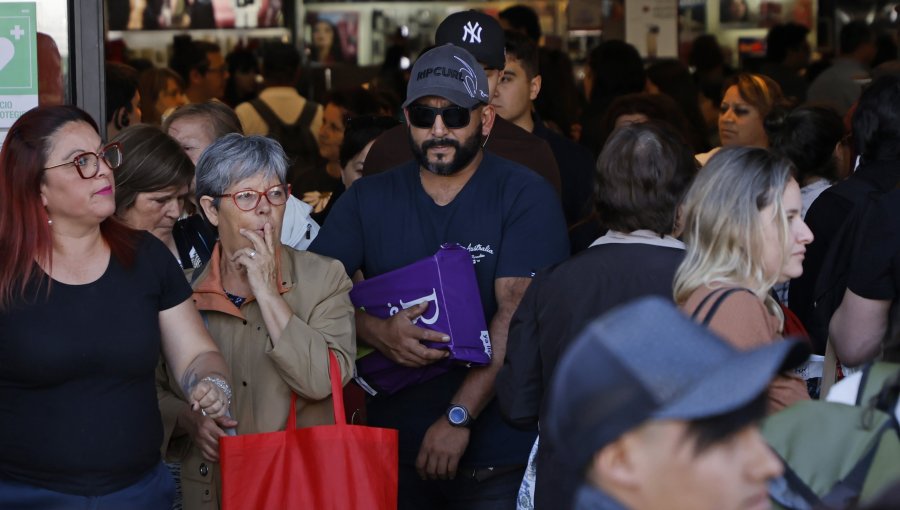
<point x="672" y="78"/>
<point x="153" y="184"/>
<point x="161" y="92"/>
<point x="359" y="135"/>
<point x="642" y="174"/>
<point x="326" y="43"/>
<point x="747" y="101"/>
<point x="643" y="107"/>
<point x="615" y="68"/>
<point x="321" y="186"/>
<point x="86" y="306"/>
<point x="810" y="136"/>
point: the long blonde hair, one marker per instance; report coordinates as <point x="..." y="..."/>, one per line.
<point x="723" y="226"/>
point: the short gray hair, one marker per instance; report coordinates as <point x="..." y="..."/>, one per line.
<point x="236" y="157"/>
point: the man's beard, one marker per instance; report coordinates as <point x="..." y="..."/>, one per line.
<point x="463" y="153"/>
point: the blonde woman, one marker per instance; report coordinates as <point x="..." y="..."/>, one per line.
<point x="744" y="234"/>
<point x="747" y="101"/>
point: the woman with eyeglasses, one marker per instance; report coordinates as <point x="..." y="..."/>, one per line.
<point x="86" y="306"/>
<point x="275" y="312"/>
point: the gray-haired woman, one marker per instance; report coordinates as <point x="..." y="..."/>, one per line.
<point x="275" y="312"/>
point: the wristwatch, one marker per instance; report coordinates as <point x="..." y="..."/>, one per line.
<point x="458" y="416"/>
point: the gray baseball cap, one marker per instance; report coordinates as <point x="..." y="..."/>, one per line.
<point x="450" y="72"/>
<point x="648" y="361"/>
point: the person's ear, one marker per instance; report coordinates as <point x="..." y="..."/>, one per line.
<point x="614" y="468"/>
<point x="534" y="88"/>
<point x="212" y="214"/>
<point x="487" y="120"/>
<point x="121" y="119"/>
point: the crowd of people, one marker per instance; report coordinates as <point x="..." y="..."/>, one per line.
<point x="658" y="264"/>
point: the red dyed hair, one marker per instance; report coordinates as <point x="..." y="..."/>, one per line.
<point x="26" y="235"/>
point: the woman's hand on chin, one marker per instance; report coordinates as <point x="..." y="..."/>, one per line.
<point x="259" y="261"/>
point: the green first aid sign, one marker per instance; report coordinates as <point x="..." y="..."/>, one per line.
<point x="18" y="61"/>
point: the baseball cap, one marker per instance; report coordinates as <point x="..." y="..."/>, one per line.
<point x="449" y="72"/>
<point x="648" y="361"/>
<point x="480" y="34"/>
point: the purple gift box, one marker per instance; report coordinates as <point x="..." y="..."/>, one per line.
<point x="446" y="281"/>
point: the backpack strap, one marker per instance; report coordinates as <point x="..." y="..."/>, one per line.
<point x="722" y="296"/>
<point x="308" y="113"/>
<point x="846" y="492"/>
<point x="791" y="492"/>
<point x="266" y="113"/>
<point x="862" y="383"/>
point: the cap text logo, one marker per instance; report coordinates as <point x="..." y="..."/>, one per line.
<point x="473" y="32"/>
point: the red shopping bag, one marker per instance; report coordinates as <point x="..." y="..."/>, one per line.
<point x="328" y="467"/>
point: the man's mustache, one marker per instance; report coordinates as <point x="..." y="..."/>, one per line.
<point x="440" y="142"/>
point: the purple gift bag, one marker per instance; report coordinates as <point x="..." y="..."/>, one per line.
<point x="446" y="281"/>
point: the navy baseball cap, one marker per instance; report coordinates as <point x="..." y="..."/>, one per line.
<point x="449" y="72"/>
<point x="480" y="34"/>
<point x="648" y="361"/>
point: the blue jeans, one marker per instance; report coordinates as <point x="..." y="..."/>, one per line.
<point x="155" y="491"/>
<point x="470" y="490"/>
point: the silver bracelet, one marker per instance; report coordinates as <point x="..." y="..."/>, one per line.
<point x="222" y="385"/>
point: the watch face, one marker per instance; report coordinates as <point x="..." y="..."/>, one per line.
<point x="457" y="415"/>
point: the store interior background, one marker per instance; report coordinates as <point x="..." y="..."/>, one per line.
<point x="78" y="36"/>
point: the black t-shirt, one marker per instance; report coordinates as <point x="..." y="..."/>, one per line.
<point x="875" y="271"/>
<point x="825" y="217"/>
<point x="78" y="407"/>
<point x="511" y="221"/>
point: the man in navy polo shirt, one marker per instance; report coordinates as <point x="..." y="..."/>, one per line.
<point x="455" y="450"/>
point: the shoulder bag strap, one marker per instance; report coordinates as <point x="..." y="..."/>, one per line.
<point x="266" y="113"/>
<point x="696" y="315"/>
<point x="337" y="389"/>
<point x="721" y="299"/>
<point x="337" y="396"/>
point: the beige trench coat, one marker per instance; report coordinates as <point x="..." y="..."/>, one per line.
<point x="264" y="372"/>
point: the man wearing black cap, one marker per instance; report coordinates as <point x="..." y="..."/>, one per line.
<point x="455" y="450"/>
<point x="653" y="411"/>
<point x="482" y="36"/>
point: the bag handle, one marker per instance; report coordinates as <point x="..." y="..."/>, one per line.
<point x="337" y="395"/>
<point x="723" y="294"/>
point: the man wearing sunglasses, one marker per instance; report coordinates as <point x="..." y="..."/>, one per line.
<point x="455" y="450"/>
<point x="482" y="36"/>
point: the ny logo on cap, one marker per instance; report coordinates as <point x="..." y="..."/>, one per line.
<point x="473" y="32"/>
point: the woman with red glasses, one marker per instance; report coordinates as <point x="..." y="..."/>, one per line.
<point x="275" y="312"/>
<point x="86" y="306"/>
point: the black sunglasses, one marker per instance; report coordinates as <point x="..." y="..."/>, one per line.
<point x="454" y="117"/>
